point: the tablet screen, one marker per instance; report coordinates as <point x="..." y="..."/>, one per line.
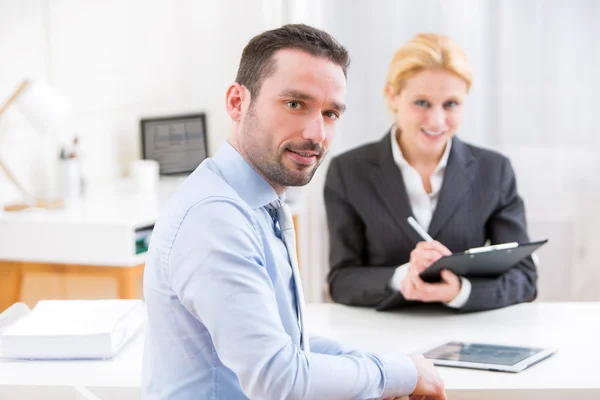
<point x="481" y="353"/>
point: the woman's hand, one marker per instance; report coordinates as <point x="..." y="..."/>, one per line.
<point x="426" y="253"/>
<point x="414" y="288"/>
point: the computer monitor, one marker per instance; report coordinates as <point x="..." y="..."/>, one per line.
<point x="178" y="143"/>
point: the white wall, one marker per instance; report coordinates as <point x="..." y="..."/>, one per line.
<point x="118" y="61"/>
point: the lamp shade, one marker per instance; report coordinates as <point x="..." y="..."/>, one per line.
<point x="42" y="106"/>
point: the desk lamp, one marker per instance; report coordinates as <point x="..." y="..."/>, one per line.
<point x="44" y="109"/>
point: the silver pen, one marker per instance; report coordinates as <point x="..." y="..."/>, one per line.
<point x="419" y="229"/>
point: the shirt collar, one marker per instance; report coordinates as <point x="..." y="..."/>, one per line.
<point x="244" y="179"/>
<point x="401" y="161"/>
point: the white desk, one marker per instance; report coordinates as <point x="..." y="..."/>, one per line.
<point x="90" y="238"/>
<point x="117" y="379"/>
<point x="573" y="328"/>
<point x="573" y="373"/>
<point x="98" y="229"/>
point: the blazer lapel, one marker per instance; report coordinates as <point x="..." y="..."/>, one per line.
<point x="458" y="177"/>
<point x="389" y="185"/>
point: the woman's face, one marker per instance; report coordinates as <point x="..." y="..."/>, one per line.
<point x="429" y="109"/>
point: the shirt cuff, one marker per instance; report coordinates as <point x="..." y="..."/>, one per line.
<point x="400" y="374"/>
<point x="398" y="277"/>
<point x="462" y="297"/>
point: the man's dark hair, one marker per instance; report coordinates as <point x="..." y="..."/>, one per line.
<point x="257" y="61"/>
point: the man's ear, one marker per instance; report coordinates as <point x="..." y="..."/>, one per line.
<point x="234" y="100"/>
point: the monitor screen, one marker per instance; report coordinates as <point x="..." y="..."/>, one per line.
<point x="178" y="143"/>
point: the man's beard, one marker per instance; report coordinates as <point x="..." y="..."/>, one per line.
<point x="271" y="166"/>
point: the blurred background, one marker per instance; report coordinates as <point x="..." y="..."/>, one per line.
<point x="535" y="98"/>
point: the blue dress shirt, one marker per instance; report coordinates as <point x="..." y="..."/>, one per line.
<point x="222" y="317"/>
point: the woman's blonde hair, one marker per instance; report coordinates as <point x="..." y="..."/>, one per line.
<point x="427" y="51"/>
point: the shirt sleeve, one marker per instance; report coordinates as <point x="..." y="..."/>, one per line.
<point x="398" y="277"/>
<point x="324" y="345"/>
<point x="217" y="268"/>
<point x="461" y="298"/>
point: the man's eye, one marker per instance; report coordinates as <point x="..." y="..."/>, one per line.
<point x="294" y="105"/>
<point x="331" y="115"/>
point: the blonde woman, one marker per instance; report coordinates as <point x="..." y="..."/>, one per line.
<point x="461" y="194"/>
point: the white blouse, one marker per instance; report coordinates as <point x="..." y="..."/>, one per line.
<point x="423" y="206"/>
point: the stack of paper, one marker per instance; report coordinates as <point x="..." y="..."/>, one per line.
<point x="72" y="329"/>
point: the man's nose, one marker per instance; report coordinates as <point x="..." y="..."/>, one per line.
<point x="315" y="130"/>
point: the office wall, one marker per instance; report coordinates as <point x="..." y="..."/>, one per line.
<point x="118" y="61"/>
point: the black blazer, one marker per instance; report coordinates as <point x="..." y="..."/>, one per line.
<point x="369" y="236"/>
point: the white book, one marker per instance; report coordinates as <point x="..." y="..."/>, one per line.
<point x="70" y="329"/>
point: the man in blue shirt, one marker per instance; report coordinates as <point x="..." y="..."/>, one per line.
<point x="225" y="306"/>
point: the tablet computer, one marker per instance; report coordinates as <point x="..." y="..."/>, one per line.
<point x="492" y="357"/>
<point x="488" y="262"/>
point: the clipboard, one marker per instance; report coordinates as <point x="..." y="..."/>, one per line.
<point x="483" y="262"/>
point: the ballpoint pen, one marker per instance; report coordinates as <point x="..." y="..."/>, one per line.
<point x="419" y="229"/>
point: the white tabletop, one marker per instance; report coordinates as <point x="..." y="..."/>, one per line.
<point x="572" y="373"/>
<point x="119" y="378"/>
<point x="97" y="229"/>
<point x="107" y="202"/>
<point x="573" y="328"/>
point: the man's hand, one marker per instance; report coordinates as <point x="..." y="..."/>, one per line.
<point x="414" y="288"/>
<point x="429" y="383"/>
